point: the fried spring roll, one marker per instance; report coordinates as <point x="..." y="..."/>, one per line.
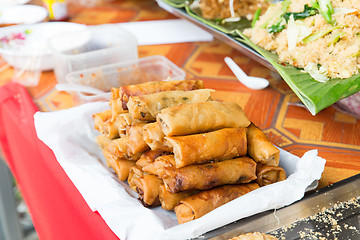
<point x="115" y="93"/>
<point x="154" y="137"/>
<point x="110" y="130"/>
<point x="119" y="148"/>
<point x="202" y="177"/>
<point x="100" y="119"/>
<point x="122" y="121"/>
<point x="158" y="167"/>
<point x="218" y="145"/>
<point x="149" y="157"/>
<point x="146" y="107"/>
<point x="125" y="92"/>
<point x="102" y="141"/>
<point x="198" y="205"/>
<point x="109" y="157"/>
<point x="116" y="108"/>
<point x="260" y="148"/>
<point x="120" y="166"/>
<point x="269" y="174"/>
<point x="136" y="143"/>
<point x="148" y="187"/>
<point x="169" y="200"/>
<point x="201" y="117"/>
<point x="135" y="172"/>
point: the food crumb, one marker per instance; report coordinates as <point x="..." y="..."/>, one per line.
<point x="329" y="223"/>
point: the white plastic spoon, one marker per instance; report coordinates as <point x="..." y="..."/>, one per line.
<point x="256" y="83"/>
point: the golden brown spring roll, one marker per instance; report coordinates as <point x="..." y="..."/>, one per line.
<point x="159" y="166"/>
<point x="119" y="148"/>
<point x="100" y="119"/>
<point x="136" y="143"/>
<point x="115" y="93"/>
<point x="116" y="108"/>
<point x="125" y="92"/>
<point x="169" y="200"/>
<point x="198" y="205"/>
<point x="269" y="174"/>
<point x="218" y="145"/>
<point x="149" y="157"/>
<point x="102" y="141"/>
<point x="148" y="187"/>
<point x="109" y="157"/>
<point x="154" y="137"/>
<point x="110" y="130"/>
<point x="201" y="177"/>
<point x="201" y="117"/>
<point x="120" y="166"/>
<point x="260" y="148"/>
<point x="135" y="172"/>
<point x="146" y="107"/>
<point x="122" y="121"/>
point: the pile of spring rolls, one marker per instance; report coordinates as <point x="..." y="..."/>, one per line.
<point x="178" y="148"/>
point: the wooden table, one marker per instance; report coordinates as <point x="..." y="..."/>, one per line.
<point x="276" y="110"/>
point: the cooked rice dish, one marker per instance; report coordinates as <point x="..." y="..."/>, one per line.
<point x="320" y="36"/>
<point x="230" y="9"/>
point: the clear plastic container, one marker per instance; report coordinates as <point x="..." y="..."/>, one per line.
<point x="96" y="46"/>
<point x="154" y="68"/>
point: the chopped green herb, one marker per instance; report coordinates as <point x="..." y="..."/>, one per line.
<point x="325" y="8"/>
<point x="336" y="38"/>
<point x="320" y="34"/>
<point x="142" y="114"/>
<point x="356" y="54"/>
<point x="278" y="15"/>
<point x="278" y="27"/>
<point x="256" y="17"/>
<point x="185" y="98"/>
<point x="308" y="11"/>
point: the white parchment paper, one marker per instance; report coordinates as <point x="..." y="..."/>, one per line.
<point x="71" y="135"/>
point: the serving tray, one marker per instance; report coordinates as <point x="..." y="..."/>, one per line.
<point x="315" y="95"/>
<point x="231" y="41"/>
<point x="333" y="212"/>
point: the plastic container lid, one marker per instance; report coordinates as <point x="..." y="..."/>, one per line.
<point x="154" y="68"/>
<point x="96" y="46"/>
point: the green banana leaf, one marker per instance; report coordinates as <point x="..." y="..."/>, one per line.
<point x="315" y="95"/>
<point x="226" y="27"/>
<point x="175" y="3"/>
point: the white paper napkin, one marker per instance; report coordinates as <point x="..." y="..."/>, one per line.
<point x="166" y="31"/>
<point x="71" y="136"/>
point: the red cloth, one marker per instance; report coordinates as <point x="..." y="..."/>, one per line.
<point x="56" y="206"/>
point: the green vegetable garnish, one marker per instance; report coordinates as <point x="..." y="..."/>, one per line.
<point x="336" y="38"/>
<point x="308" y="11"/>
<point x="358" y="54"/>
<point x="278" y="27"/>
<point x="325" y="8"/>
<point x="256" y="17"/>
<point x="320" y="34"/>
<point x="278" y="15"/>
<point x="285" y="5"/>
